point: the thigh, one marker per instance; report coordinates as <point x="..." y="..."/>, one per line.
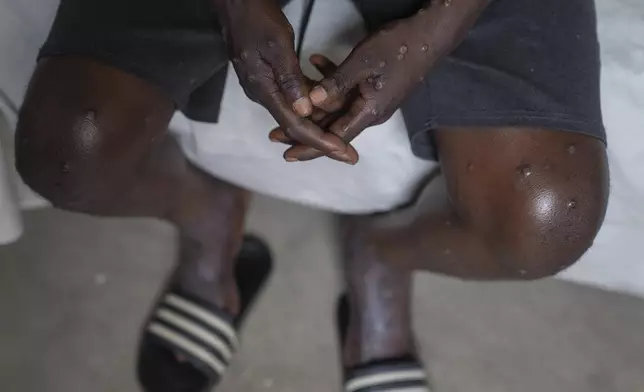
<point x="172" y="44"/>
<point x="376" y="13"/>
<point x="525" y="63"/>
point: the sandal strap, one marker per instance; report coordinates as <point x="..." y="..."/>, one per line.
<point x="400" y="376"/>
<point x="200" y="333"/>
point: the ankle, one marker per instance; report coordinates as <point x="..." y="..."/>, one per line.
<point x="208" y="274"/>
<point x="378" y="331"/>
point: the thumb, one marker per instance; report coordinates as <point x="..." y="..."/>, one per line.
<point x="293" y="85"/>
<point x="337" y="85"/>
<point x="288" y="76"/>
<point x="327" y="68"/>
<point x="322" y="63"/>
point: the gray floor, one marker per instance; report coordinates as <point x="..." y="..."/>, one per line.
<point x="75" y="290"/>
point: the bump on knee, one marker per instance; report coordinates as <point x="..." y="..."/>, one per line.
<point x="538" y="248"/>
<point x="52" y="160"/>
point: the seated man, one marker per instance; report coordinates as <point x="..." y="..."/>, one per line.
<point x="505" y="94"/>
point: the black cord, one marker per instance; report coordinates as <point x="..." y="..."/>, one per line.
<point x="304" y="24"/>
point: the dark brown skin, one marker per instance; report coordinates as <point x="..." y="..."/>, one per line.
<point x="94" y="139"/>
<point x="260" y="41"/>
<point x="518" y="203"/>
<point x="386" y="67"/>
<point x="511" y="204"/>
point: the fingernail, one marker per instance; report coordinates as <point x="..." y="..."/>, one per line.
<point x="318" y="95"/>
<point x="302" y="107"/>
<point x="344" y="157"/>
<point x="291" y="159"/>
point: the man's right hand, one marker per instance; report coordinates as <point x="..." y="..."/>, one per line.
<point x="260" y="42"/>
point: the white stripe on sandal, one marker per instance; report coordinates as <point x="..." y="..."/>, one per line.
<point x="408" y="389"/>
<point x="387" y="377"/>
<point x="187" y="326"/>
<point x="190" y="347"/>
<point x="207" y="317"/>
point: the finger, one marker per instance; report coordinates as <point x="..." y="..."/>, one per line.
<point x="360" y="116"/>
<point x="289" y="77"/>
<point x="303" y="153"/>
<point x="322" y="120"/>
<point x="262" y="85"/>
<point x="327" y="67"/>
<point x="318" y="116"/>
<point x="300" y="129"/>
<point x="322" y="63"/>
<point x="333" y="88"/>
<point x="278" y="136"/>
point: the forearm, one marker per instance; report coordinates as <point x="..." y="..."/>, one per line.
<point x="444" y="24"/>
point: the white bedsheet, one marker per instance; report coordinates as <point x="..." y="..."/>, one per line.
<point x="387" y="170"/>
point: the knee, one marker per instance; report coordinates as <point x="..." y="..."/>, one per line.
<point x="547" y="232"/>
<point x="57" y="157"/>
<point x="83" y="129"/>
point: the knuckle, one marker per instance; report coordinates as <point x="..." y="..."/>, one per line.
<point x="274" y="47"/>
<point x="288" y="132"/>
<point x="289" y="81"/>
<point x="374" y="113"/>
<point x="340" y="81"/>
<point x="283" y="40"/>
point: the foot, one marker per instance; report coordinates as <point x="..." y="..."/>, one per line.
<point x="188" y="341"/>
<point x="379" y="322"/>
<point x="206" y="273"/>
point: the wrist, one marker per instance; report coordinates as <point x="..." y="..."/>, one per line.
<point x="443" y="24"/>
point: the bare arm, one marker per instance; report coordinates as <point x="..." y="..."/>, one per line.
<point x="389" y="64"/>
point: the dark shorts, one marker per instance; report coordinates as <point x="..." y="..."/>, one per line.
<point x="525" y="63"/>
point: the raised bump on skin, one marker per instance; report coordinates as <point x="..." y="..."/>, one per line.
<point x="87" y="130"/>
<point x="525" y="170"/>
<point x="571" y="149"/>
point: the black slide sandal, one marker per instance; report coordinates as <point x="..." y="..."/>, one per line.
<point x="402" y="374"/>
<point x="202" y="336"/>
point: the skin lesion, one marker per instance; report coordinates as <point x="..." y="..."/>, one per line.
<point x="86" y="131"/>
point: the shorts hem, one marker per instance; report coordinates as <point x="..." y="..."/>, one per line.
<point x="422" y="139"/>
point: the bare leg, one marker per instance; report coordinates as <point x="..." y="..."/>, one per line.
<point x="379" y="301"/>
<point x="513" y="204"/>
<point x="94" y="139"/>
<point x="519" y="204"/>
